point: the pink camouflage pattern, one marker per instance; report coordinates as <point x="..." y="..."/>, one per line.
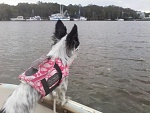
<point x="45" y="70"/>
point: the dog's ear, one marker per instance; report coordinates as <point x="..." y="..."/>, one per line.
<point x="72" y="40"/>
<point x="60" y="30"/>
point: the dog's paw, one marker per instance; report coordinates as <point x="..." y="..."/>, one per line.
<point x="64" y="102"/>
<point x="68" y="98"/>
<point x="42" y="100"/>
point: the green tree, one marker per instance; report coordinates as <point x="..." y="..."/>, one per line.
<point x="92" y="12"/>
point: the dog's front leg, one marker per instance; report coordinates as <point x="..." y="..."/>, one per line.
<point x="53" y="96"/>
<point x="63" y="98"/>
<point x="62" y="91"/>
<point x="54" y="105"/>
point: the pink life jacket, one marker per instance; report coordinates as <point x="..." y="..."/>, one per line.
<point x="49" y="71"/>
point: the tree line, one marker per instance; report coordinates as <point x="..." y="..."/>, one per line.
<point x="91" y="12"/>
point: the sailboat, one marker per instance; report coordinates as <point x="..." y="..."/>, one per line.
<point x="34" y="18"/>
<point x="64" y="16"/>
<point x="80" y="18"/>
<point x="120" y="19"/>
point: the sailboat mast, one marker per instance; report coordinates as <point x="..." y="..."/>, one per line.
<point x="62" y="9"/>
<point x="79" y="11"/>
<point x="122" y="14"/>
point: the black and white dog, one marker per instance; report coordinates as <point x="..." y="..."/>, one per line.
<point x="64" y="49"/>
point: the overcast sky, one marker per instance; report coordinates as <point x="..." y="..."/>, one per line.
<point x="141" y="5"/>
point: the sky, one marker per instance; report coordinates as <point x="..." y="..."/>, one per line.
<point x="139" y="5"/>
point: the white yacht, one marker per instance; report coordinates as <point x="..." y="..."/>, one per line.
<point x="119" y="19"/>
<point x="19" y="18"/>
<point x="60" y="16"/>
<point x="80" y="19"/>
<point x="35" y="18"/>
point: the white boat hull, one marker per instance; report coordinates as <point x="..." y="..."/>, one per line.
<point x="80" y="19"/>
<point x="16" y="19"/>
<point x="44" y="107"/>
<point x="19" y="18"/>
<point x="35" y="18"/>
<point x="119" y="19"/>
<point x="62" y="19"/>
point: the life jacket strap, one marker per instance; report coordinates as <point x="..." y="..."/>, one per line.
<point x="52" y="80"/>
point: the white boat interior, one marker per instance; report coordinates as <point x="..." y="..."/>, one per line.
<point x="46" y="105"/>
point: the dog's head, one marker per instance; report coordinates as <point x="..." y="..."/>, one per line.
<point x="65" y="45"/>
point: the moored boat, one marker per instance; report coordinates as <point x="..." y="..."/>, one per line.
<point x="19" y="18"/>
<point x="58" y="16"/>
<point x="64" y="16"/>
<point x="35" y="18"/>
<point x="80" y="19"/>
<point x="119" y="19"/>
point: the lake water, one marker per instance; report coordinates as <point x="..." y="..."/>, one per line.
<point x="111" y="73"/>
